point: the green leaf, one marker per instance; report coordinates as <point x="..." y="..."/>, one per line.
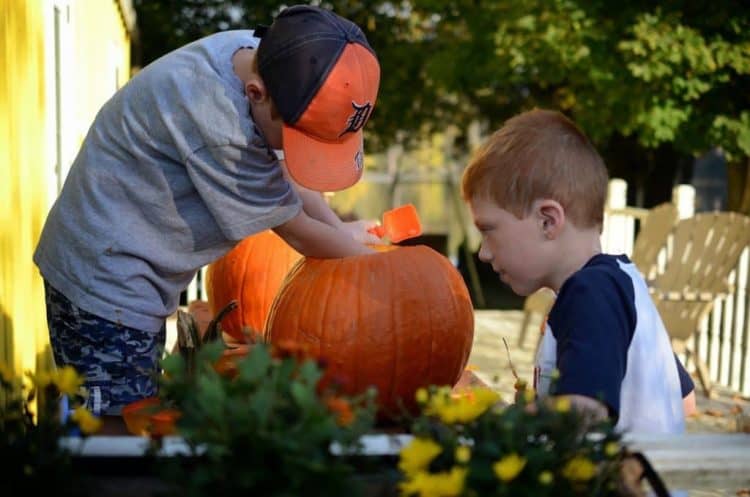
<point x="254" y="367"/>
<point x="303" y="395"/>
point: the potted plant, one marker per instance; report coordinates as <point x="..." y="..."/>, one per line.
<point x="266" y="428"/>
<point x="473" y="445"/>
<point x="34" y="415"/>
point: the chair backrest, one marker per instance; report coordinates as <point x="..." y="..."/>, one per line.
<point x="652" y="237"/>
<point x="540" y="301"/>
<point x="706" y="247"/>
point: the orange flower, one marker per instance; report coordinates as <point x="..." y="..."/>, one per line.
<point x="342" y="409"/>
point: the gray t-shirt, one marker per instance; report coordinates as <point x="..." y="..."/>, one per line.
<point x="172" y="174"/>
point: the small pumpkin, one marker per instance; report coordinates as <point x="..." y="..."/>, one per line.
<point x="397" y="320"/>
<point x="251" y="273"/>
<point x="147" y="417"/>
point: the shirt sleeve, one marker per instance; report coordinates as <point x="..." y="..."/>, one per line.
<point x="243" y="187"/>
<point x="686" y="382"/>
<point x="593" y="321"/>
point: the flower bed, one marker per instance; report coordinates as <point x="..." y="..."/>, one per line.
<point x="269" y="427"/>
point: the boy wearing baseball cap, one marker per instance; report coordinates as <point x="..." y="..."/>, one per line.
<point x="181" y="164"/>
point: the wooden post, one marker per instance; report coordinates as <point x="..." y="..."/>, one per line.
<point x="683" y="196"/>
<point x="468" y="255"/>
<point x="743" y="324"/>
<point x="450" y="174"/>
<point x="393" y="160"/>
<point x="618" y="231"/>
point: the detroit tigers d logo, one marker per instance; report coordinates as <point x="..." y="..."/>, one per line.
<point x="358" y="119"/>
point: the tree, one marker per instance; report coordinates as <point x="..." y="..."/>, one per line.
<point x="652" y="85"/>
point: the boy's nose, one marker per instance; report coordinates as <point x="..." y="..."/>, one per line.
<point x="484" y="254"/>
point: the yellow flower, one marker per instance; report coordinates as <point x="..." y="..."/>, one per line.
<point x="86" y="421"/>
<point x="509" y="467"/>
<point x="611" y="449"/>
<point x="562" y="404"/>
<point x="67" y="380"/>
<point x="463" y="454"/>
<point x="529" y="395"/>
<point x="418" y="455"/>
<point x="443" y="484"/>
<point x="422" y="396"/>
<point x="580" y="468"/>
<point x="546" y="477"/>
<point x="486" y="397"/>
<point x="461" y="408"/>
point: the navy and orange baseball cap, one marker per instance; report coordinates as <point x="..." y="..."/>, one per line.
<point x="323" y="77"/>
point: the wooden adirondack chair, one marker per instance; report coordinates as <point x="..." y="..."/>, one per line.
<point x="539" y="302"/>
<point x="652" y="237"/>
<point x="706" y="248"/>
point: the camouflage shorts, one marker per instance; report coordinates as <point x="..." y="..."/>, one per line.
<point x="119" y="364"/>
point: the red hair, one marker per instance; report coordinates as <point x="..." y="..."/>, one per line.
<point x="540" y="154"/>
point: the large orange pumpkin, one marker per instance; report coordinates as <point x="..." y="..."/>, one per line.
<point x="251" y="273"/>
<point x="397" y="320"/>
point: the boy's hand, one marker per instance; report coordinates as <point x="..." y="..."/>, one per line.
<point x="358" y="231"/>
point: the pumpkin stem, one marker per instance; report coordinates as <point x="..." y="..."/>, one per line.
<point x="213" y="332"/>
<point x="188" y="338"/>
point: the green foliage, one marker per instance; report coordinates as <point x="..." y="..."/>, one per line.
<point x="264" y="431"/>
<point x="33" y="462"/>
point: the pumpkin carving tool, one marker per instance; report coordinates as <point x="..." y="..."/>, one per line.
<point x="399" y="224"/>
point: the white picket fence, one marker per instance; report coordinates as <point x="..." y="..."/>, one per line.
<point x="196" y="290"/>
<point x="723" y="340"/>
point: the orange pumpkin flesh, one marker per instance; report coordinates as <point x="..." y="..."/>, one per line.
<point x="250" y="273"/>
<point x="397" y="320"/>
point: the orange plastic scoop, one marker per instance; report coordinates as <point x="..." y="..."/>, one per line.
<point x="399" y="224"/>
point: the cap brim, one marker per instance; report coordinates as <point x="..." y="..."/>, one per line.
<point x="323" y="166"/>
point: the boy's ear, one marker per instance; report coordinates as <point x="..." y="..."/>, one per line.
<point x="551" y="216"/>
<point x="255" y="89"/>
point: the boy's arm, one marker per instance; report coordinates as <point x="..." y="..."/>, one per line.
<point x="688" y="389"/>
<point x="316" y="207"/>
<point x="592" y="334"/>
<point x="314" y="238"/>
<point x="688" y="404"/>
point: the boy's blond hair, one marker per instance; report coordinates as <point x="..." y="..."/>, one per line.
<point x="540" y="154"/>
